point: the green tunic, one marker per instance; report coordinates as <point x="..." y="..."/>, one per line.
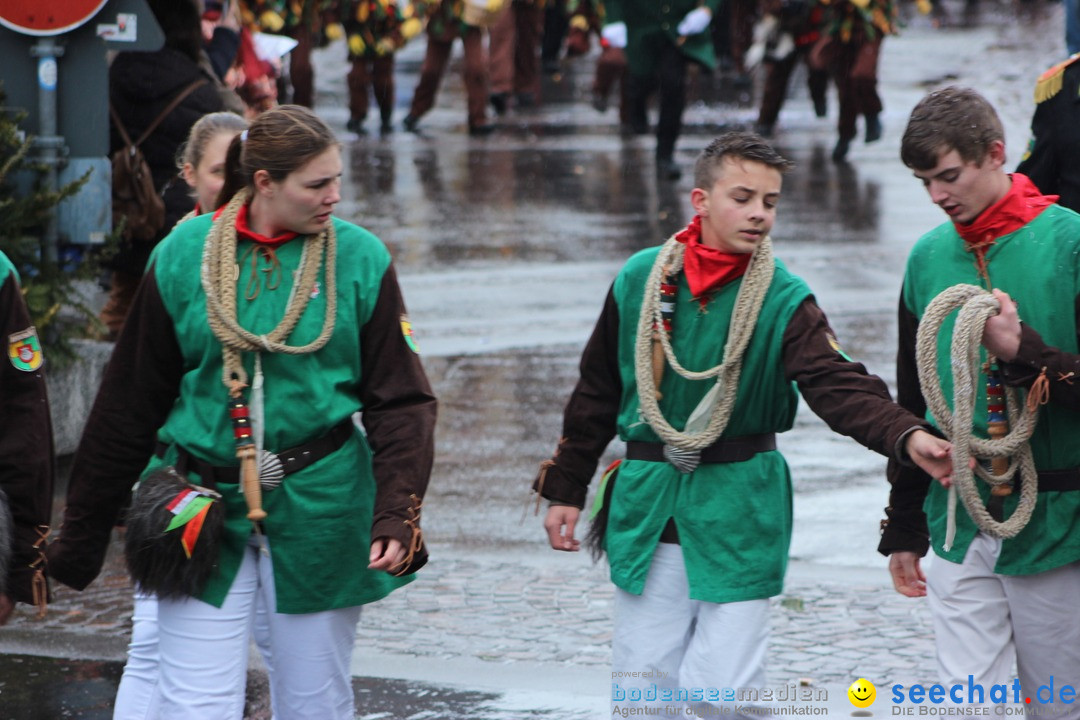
<point x="649" y="23"/>
<point x="319" y="519"/>
<point x="6" y="268"/>
<point x="1050" y="242"/>
<point x="734" y="519"/>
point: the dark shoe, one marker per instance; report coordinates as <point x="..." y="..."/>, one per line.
<point x="839" y="153"/>
<point x="873" y="128"/>
<point x="386" y="127"/>
<point x="765" y="130"/>
<point x="525" y="101"/>
<point x="499" y="102"/>
<point x="550" y="67"/>
<point x="667" y="169"/>
<point x="410" y="124"/>
<point x="599" y="102"/>
<point x="481" y="130"/>
<point x="821" y="108"/>
<point x="356" y="125"/>
<point x="633" y="128"/>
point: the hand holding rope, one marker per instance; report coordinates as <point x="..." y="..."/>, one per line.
<point x="976" y="306"/>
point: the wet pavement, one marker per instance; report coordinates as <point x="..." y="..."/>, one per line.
<point x="505" y="247"/>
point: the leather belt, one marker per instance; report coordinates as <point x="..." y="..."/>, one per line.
<point x="1067" y="480"/>
<point x="1057" y="480"/>
<point x="292" y="460"/>
<point x="737" y="449"/>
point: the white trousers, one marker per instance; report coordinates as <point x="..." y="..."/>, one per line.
<point x="189" y="659"/>
<point x="984" y="621"/>
<point x="137" y="697"/>
<point x="675" y="642"/>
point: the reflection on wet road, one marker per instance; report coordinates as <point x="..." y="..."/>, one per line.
<point x="505" y="248"/>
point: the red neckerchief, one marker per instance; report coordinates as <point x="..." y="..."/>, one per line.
<point x="243" y="231"/>
<point x="707" y="268"/>
<point x="1017" y="208"/>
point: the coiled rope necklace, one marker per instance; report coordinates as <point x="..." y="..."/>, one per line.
<point x="712" y="414"/>
<point x="219" y="278"/>
<point x="976" y="306"/>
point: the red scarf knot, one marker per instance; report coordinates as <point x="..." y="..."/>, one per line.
<point x="1019" y="206"/>
<point x="708" y="269"/>
<point x="243" y="230"/>
<point x="1014" y="210"/>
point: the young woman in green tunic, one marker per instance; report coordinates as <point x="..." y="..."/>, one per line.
<point x="251" y="305"/>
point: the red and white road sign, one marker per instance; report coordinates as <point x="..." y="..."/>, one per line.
<point x="47" y="17"/>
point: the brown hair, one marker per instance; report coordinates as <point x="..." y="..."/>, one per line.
<point x="278" y="141"/>
<point x="205" y="129"/>
<point x="739" y="146"/>
<point x="953" y="118"/>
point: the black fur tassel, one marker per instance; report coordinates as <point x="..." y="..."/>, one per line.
<point x="594" y="539"/>
<point x="155" y="558"/>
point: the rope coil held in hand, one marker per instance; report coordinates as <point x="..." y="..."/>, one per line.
<point x="976" y="306"/>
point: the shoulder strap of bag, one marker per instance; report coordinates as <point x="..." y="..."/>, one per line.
<point x="179" y="98"/>
<point x="119" y="125"/>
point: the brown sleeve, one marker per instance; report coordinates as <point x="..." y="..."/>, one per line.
<point x="141" y="382"/>
<point x="26" y="450"/>
<point x="399" y="417"/>
<point x="840" y="391"/>
<point x="1035" y="357"/>
<point x="589" y="421"/>
<point x="904" y="528"/>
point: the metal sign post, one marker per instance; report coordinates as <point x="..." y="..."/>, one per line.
<point x="53" y="67"/>
<point x="49" y="144"/>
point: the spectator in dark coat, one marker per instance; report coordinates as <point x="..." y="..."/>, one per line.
<point x="1052" y="160"/>
<point x="141" y="85"/>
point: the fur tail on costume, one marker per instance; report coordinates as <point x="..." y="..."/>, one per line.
<point x="157" y="557"/>
<point x="597" y="534"/>
<point x="7" y="539"/>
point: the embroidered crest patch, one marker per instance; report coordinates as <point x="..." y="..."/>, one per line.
<point x="1027" y="151"/>
<point x="835" y="345"/>
<point x="24" y="350"/>
<point x="407" y="332"/>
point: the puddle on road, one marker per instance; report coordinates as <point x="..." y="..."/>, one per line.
<point x="41" y="688"/>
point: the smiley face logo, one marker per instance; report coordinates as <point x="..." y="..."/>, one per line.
<point x="862" y="693"/>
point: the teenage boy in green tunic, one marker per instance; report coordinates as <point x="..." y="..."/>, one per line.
<point x="710" y="334"/>
<point x="994" y="601"/>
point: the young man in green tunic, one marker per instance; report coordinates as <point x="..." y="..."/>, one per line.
<point x="708" y="333"/>
<point x="994" y="599"/>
